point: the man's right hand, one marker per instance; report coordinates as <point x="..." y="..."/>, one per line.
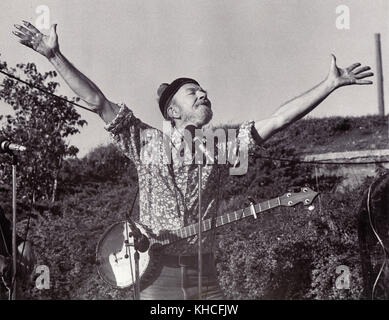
<point x="77" y="81"/>
<point x="36" y="40"/>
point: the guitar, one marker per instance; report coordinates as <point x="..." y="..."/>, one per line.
<point x="115" y="250"/>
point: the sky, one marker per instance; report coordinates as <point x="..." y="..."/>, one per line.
<point x="250" y="55"/>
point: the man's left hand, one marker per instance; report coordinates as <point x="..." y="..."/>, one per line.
<point x="354" y="74"/>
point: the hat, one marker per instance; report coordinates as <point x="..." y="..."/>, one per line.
<point x="167" y="91"/>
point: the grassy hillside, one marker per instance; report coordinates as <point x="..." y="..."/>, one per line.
<point x="336" y="134"/>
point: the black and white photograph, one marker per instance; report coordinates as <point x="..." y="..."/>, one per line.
<point x="194" y="150"/>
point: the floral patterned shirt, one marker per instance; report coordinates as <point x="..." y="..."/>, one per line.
<point x="168" y="189"/>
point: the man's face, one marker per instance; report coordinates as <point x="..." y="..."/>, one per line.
<point x="194" y="105"/>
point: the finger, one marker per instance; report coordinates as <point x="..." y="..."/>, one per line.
<point x="353" y="66"/>
<point x="20" y="35"/>
<point x="53" y="30"/>
<point x="333" y="61"/>
<point x="23" y="29"/>
<point x="360" y="70"/>
<point x="26" y="43"/>
<point x="364" y="75"/>
<point x="30" y="26"/>
<point x="364" y="82"/>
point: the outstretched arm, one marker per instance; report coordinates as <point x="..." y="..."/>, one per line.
<point x="48" y="46"/>
<point x="297" y="108"/>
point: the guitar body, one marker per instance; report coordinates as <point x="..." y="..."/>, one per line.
<point x="115" y="257"/>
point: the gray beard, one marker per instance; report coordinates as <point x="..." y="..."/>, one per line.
<point x="200" y="117"/>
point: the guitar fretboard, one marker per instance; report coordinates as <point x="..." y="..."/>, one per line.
<point x="219" y="221"/>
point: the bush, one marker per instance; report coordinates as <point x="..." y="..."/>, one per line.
<point x="294" y="254"/>
<point x="66" y="243"/>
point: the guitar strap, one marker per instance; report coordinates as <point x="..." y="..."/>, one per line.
<point x="130" y="212"/>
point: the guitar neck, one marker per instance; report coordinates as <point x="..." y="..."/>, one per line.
<point x="210" y="223"/>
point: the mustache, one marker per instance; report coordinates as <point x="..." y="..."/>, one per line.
<point x="203" y="101"/>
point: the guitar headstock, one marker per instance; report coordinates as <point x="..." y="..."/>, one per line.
<point x="305" y="195"/>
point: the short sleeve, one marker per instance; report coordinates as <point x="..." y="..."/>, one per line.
<point x="240" y="144"/>
<point x="248" y="135"/>
<point x="125" y="131"/>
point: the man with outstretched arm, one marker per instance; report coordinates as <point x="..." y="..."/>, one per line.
<point x="168" y="192"/>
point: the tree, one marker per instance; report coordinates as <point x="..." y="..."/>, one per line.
<point x="40" y="122"/>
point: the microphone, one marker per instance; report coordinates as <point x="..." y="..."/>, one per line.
<point x="7" y="146"/>
<point x="191" y="128"/>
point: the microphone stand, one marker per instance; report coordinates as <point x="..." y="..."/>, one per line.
<point x="137" y="239"/>
<point x="137" y="236"/>
<point x="14" y="249"/>
<point x="196" y="142"/>
<point x="137" y="284"/>
<point x="200" y="253"/>
<point x="141" y="244"/>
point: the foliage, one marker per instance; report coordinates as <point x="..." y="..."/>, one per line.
<point x="103" y="164"/>
<point x="336" y="134"/>
<point x="66" y="240"/>
<point x="40" y="122"/>
<point x="286" y="254"/>
<point x="293" y="254"/>
<point x="94" y="194"/>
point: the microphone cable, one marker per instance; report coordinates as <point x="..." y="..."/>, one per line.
<point x="379" y="241"/>
<point x="262" y="157"/>
<point x="46" y="92"/>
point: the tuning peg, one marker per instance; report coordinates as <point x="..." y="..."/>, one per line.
<point x="251" y="200"/>
<point x="252" y="203"/>
<point x="311" y="207"/>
